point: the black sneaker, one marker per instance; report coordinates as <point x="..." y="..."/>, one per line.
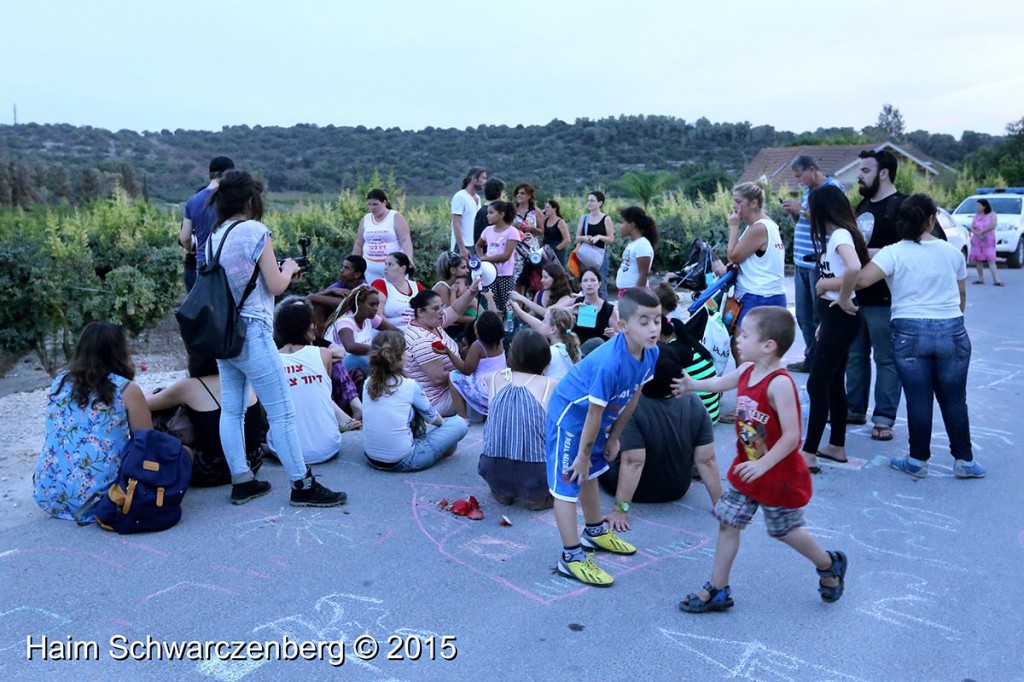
<point x="309" y="493"/>
<point x="248" y="491"/>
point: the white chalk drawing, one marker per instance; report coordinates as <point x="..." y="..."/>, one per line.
<point x="27" y="619"/>
<point x="304" y="528"/>
<point x="753" y="660"/>
<point x="903" y="510"/>
<point x="904" y="609"/>
<point x="915" y="541"/>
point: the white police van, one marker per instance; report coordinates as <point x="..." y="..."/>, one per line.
<point x="1008" y="204"/>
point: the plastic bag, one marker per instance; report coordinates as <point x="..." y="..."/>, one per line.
<point x="717" y="341"/>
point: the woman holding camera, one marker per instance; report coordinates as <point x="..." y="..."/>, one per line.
<point x="239" y="202"/>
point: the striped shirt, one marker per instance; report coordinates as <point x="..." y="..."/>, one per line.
<point x="515" y="426"/>
<point x="802" y="244"/>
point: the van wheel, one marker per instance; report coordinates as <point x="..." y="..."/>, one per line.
<point x="1016" y="259"/>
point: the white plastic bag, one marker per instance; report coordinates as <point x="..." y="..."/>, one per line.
<point x="716" y="340"/>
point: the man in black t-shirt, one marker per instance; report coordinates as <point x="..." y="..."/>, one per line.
<point x="876" y="217"/>
<point x="494" y="188"/>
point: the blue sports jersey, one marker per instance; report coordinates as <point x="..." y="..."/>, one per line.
<point x="608" y="376"/>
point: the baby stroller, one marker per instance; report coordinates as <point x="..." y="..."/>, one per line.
<point x="693" y="276"/>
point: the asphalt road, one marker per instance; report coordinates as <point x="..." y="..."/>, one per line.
<point x="933" y="591"/>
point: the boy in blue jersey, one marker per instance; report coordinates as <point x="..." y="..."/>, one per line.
<point x="587" y="412"/>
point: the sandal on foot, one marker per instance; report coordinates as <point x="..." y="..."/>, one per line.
<point x="977" y="281"/>
<point x="881" y="432"/>
<point x="998" y="284"/>
<point x="832" y="458"/>
<point x="832" y="593"/>
<point x="719" y="600"/>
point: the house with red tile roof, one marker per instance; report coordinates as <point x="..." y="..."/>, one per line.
<point x="839" y="161"/>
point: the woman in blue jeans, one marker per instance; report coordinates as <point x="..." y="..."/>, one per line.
<point x="397" y="417"/>
<point x="759" y="253"/>
<point x="932" y="350"/>
<point x="246" y="249"/>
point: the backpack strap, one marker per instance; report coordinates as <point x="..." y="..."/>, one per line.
<point x="216" y="259"/>
<point x="209" y="244"/>
<point x="89" y="503"/>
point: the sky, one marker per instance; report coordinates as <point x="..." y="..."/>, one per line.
<point x="142" y="65"/>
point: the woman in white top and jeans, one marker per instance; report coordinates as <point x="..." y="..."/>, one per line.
<point x="381" y="231"/>
<point x="759" y="251"/>
<point x="835" y="235"/>
<point x="249" y="246"/>
<point x="933" y="352"/>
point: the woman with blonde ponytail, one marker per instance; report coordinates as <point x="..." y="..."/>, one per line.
<point x="401" y="429"/>
<point x="759" y="251"/>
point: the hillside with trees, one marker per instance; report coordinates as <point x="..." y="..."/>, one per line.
<point x="63" y="163"/>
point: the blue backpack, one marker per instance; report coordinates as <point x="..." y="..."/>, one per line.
<point x="151" y="483"/>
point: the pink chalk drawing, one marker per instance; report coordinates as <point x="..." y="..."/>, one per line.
<point x="483" y="546"/>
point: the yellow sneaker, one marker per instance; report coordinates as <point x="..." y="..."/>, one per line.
<point x="585" y="571"/>
<point x="607" y="542"/>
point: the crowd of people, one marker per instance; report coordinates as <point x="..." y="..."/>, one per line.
<point x="576" y="389"/>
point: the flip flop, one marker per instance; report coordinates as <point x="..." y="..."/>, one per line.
<point x="832" y="459"/>
<point x="999" y="284"/>
<point x="882" y="433"/>
<point x="977" y="281"/>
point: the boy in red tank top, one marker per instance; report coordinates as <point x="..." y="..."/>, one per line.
<point x="768" y="471"/>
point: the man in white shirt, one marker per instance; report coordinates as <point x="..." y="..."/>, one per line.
<point x="465" y="204"/>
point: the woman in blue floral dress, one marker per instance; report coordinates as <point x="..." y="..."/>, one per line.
<point x="93" y="409"/>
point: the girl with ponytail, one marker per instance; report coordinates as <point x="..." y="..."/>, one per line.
<point x="401" y="429"/>
<point x="642" y="233"/>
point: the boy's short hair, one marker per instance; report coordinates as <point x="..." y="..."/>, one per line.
<point x="358" y="263"/>
<point x="774" y="323"/>
<point x="634" y="299"/>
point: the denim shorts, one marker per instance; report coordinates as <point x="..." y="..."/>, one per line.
<point x="736" y="509"/>
<point x="751" y="301"/>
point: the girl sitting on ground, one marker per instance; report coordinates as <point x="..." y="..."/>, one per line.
<point x="555" y="292"/>
<point x="91" y="412"/>
<point x="485" y="357"/>
<point x="354" y="324"/>
<point x="397" y="417"/>
<point x="199" y="396"/>
<point x="308" y="369"/>
<point x="512" y="461"/>
<point x="557" y="329"/>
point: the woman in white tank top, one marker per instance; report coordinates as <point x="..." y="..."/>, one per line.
<point x="381" y="231"/>
<point x="759" y="251"/>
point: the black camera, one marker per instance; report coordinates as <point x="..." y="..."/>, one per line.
<point x="303" y="260"/>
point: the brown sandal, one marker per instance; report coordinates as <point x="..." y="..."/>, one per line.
<point x="881" y="432"/>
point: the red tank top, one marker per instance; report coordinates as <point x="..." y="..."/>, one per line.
<point x="788" y="483"/>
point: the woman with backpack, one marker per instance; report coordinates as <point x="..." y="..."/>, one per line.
<point x="248" y="246"/>
<point x="91" y="412"/>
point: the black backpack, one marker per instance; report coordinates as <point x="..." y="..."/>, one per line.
<point x="208" y="318"/>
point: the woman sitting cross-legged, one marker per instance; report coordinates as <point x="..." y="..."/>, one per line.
<point x="512" y="461"/>
<point x="199" y="395"/>
<point x="91" y="412"/>
<point x="307" y="369"/>
<point x="401" y="429"/>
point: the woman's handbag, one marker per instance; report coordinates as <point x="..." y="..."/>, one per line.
<point x="590" y="256"/>
<point x="731" y="313"/>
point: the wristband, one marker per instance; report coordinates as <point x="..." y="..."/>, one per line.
<point x="622" y="507"/>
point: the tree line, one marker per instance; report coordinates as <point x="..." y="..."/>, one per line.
<point x="54" y="164"/>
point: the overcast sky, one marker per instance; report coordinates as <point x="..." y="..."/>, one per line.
<point x="948" y="66"/>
